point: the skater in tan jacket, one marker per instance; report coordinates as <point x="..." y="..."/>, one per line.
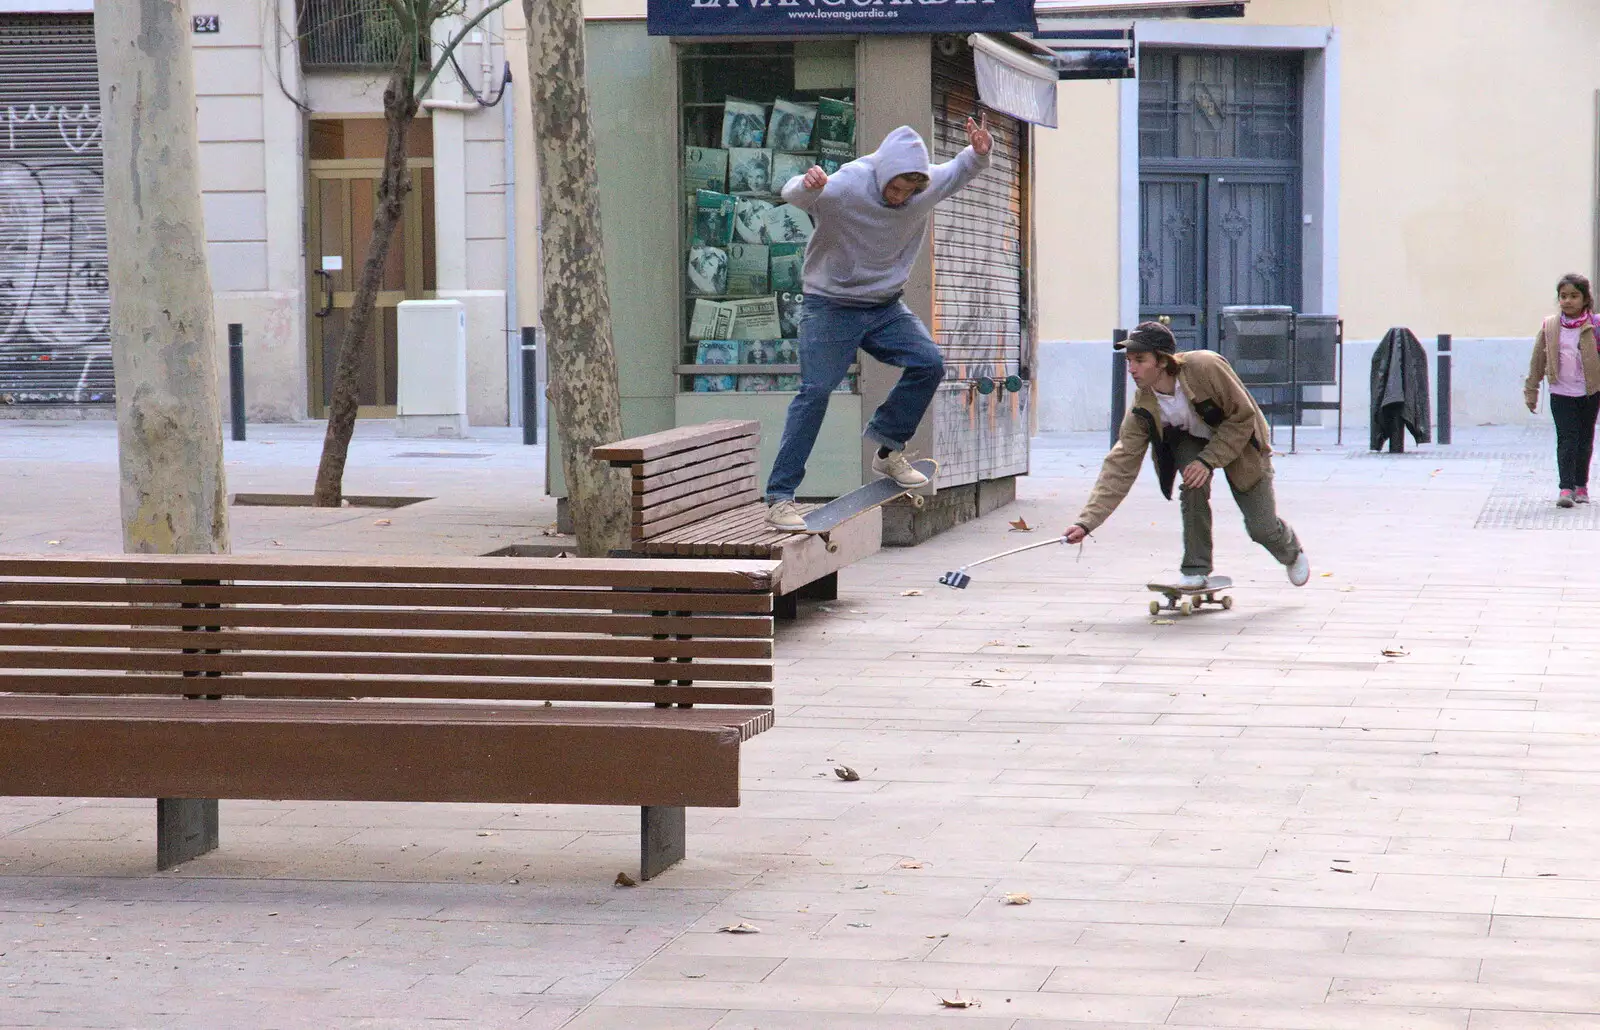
<point x="1196" y="417"/>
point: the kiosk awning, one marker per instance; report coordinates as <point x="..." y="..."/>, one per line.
<point x="1017" y="82"/>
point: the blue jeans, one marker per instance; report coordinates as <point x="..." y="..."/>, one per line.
<point x="829" y="337"/>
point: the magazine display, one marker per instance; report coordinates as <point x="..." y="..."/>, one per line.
<point x="788" y="224"/>
<point x="716" y="384"/>
<point x="713" y="218"/>
<point x="708" y="271"/>
<point x="750" y="220"/>
<point x="749" y="170"/>
<point x="787" y="166"/>
<point x="747" y="270"/>
<point x="705" y="168"/>
<point x="744" y="124"/>
<point x="836" y="134"/>
<point x="787" y="264"/>
<point x="788" y="383"/>
<point x="717" y="352"/>
<point x="755" y="318"/>
<point x="790" y="312"/>
<point x="710" y="321"/>
<point x="791" y="125"/>
<point x="757" y="383"/>
<point x="769" y="352"/>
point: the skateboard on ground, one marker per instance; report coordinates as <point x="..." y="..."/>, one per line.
<point x="1187" y="600"/>
<point x="863" y="499"/>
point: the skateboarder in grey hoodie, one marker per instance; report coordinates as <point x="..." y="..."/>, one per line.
<point x="871" y="221"/>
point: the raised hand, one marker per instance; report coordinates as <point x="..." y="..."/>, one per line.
<point x="979" y="136"/>
<point x="815" y="178"/>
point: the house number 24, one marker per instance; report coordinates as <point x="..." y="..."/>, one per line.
<point x="207" y="23"/>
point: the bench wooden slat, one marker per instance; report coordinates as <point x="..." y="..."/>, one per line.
<point x="746" y="448"/>
<point x="716" y="626"/>
<point x="473" y="666"/>
<point x="649" y="515"/>
<point x="689" y="517"/>
<point x="117" y="683"/>
<point x="745" y="471"/>
<point x="388" y="642"/>
<point x="672" y="441"/>
<point x="379" y="596"/>
<point x="699" y="470"/>
<point x="322" y="751"/>
<point x="485" y="572"/>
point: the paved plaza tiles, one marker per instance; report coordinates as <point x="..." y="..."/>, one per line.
<point x="1368" y="803"/>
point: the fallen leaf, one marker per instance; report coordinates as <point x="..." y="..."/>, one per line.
<point x="1346" y="590"/>
<point x="936" y="936"/>
<point x="1337" y="869"/>
<point x="847" y="774"/>
<point x="1162" y="622"/>
<point x="910" y="593"/>
<point x="981" y="683"/>
<point x="912" y="863"/>
<point x="1547" y="874"/>
<point x="1395" y="652"/>
<point x="995" y="643"/>
<point x="1020" y="525"/>
<point x="384" y="522"/>
<point x="858" y="611"/>
<point x="277" y="543"/>
<point x="54" y="543"/>
<point x="1016" y="898"/>
<point x="694" y="976"/>
<point x="739" y="928"/>
<point x="624" y="880"/>
<point x="859" y="926"/>
<point x="486" y="833"/>
<point x="513" y="880"/>
<point x="1325" y="575"/>
<point x="958" y="1002"/>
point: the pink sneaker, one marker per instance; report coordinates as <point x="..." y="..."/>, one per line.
<point x="1580" y="495"/>
<point x="1565" y="499"/>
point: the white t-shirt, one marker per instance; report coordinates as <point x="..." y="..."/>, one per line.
<point x="1176" y="411"/>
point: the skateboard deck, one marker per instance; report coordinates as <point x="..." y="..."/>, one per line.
<point x="1187" y="600"/>
<point x="862" y="499"/>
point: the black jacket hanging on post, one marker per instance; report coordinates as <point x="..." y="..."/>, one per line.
<point x="1400" y="377"/>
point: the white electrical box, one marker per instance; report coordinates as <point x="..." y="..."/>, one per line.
<point x="431" y="396"/>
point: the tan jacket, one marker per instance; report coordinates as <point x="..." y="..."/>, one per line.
<point x="1239" y="436"/>
<point x="1546" y="361"/>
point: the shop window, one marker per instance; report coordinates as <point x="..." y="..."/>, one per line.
<point x="753" y="116"/>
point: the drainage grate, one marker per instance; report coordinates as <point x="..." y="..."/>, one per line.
<point x="1524" y="498"/>
<point x="440" y="454"/>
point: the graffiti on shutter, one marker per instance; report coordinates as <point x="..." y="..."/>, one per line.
<point x="55" y="310"/>
<point x="979" y="287"/>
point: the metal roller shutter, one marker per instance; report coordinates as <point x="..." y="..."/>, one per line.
<point x="55" y="342"/>
<point x="979" y="284"/>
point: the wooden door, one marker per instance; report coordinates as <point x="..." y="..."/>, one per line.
<point x="341" y="199"/>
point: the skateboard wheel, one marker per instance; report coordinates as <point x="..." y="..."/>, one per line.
<point x="833" y="548"/>
<point x="1155" y="607"/>
<point x="917" y="500"/>
<point x="1227" y="602"/>
<point x="1186" y="608"/>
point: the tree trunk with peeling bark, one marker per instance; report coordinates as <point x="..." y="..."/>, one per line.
<point x="163" y="332"/>
<point x="399" y="110"/>
<point x="584" y="396"/>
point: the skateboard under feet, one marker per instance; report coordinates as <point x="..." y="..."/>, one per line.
<point x="863" y="499"/>
<point x="1188" y="600"/>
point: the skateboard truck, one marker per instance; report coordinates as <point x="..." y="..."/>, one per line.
<point x="958" y="579"/>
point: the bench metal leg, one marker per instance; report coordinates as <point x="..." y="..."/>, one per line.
<point x="185" y="828"/>
<point x="662" y="836"/>
<point x="786" y="606"/>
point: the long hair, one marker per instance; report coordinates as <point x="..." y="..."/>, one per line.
<point x="1581" y="284"/>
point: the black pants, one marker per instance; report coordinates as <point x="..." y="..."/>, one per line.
<point x="1574" y="418"/>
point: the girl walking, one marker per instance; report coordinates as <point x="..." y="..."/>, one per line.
<point x="1565" y="356"/>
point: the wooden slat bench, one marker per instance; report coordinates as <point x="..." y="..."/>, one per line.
<point x="331" y="678"/>
<point x="695" y="494"/>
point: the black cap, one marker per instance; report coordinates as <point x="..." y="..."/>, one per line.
<point x="1150" y="336"/>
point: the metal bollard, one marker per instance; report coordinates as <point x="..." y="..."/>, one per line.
<point x="1444" y="387"/>
<point x="236" y="376"/>
<point x="1119" y="385"/>
<point x="530" y="385"/>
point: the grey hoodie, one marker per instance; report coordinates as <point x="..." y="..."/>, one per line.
<point x="862" y="251"/>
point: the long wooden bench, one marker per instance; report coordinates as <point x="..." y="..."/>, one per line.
<point x="695" y="494"/>
<point x="332" y="678"/>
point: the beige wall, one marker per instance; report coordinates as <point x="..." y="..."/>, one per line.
<point x="1467" y="180"/>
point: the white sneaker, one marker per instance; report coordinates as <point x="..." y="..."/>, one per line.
<point x="784" y="515"/>
<point x="1300" y="569"/>
<point x="1191" y="582"/>
<point x="897" y="468"/>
